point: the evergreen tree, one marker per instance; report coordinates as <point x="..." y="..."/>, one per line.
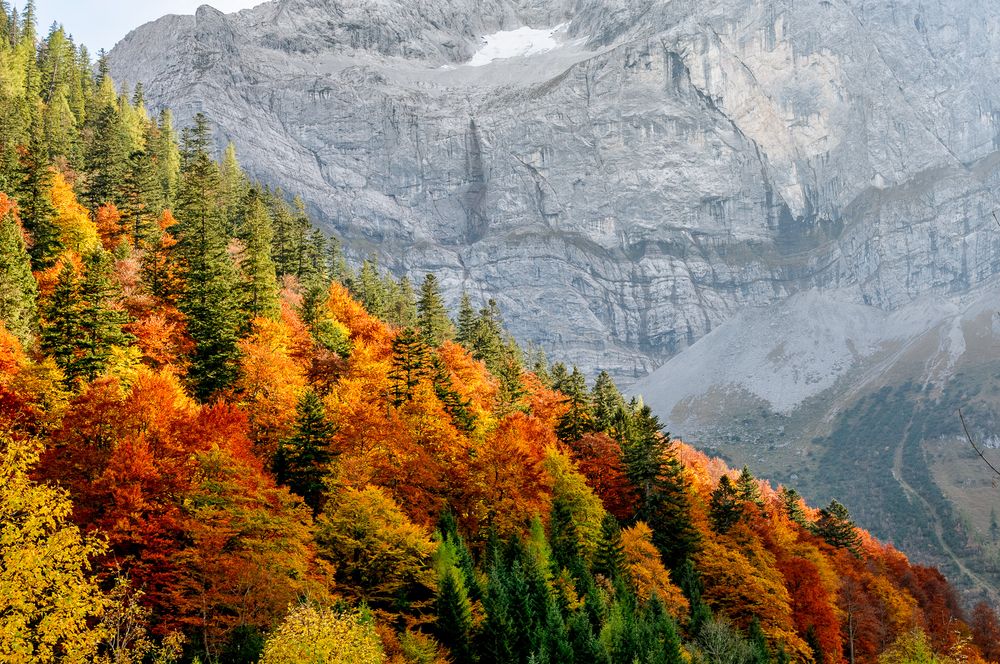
<point x="835" y="526"/>
<point x="214" y="316"/>
<point x="164" y="151"/>
<point x="100" y="319"/>
<point x="564" y="537"/>
<point x="454" y="616"/>
<point x="658" y="477"/>
<point x="61" y="331"/>
<point x="609" y="558"/>
<point x="725" y="507"/>
<point x="305" y="457"/>
<point x="465" y="325"/>
<point x="559" y="376"/>
<point x="34" y="197"/>
<point x="410" y="364"/>
<point x="606" y="400"/>
<point x="107" y="159"/>
<point x="690" y="584"/>
<point x="577" y="420"/>
<point x="18" y="290"/>
<point x="758" y="643"/>
<point x="401" y="305"/>
<point x="661" y="642"/>
<point x="141" y="199"/>
<point x="432" y="316"/>
<point x="370" y="289"/>
<point x="748" y="489"/>
<point x="792" y="502"/>
<point x="259" y="282"/>
<point x="457" y="407"/>
<point x="233" y="191"/>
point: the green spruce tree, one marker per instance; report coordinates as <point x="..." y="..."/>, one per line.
<point x="18" y="290"/>
<point x="303" y="460"/>
<point x="432" y="316"/>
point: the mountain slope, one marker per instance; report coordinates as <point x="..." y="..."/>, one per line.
<point x="850" y="401"/>
<point x="658" y="168"/>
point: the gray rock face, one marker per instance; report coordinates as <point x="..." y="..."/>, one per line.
<point x="655" y="167"/>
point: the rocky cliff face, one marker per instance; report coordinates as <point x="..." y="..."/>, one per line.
<point x="639" y="171"/>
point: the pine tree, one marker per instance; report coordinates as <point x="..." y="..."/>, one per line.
<point x="60" y="332"/>
<point x="835" y="526"/>
<point x="658" y="476"/>
<point x="662" y="643"/>
<point x="34" y="197"/>
<point x="410" y="364"/>
<point x="401" y="305"/>
<point x="233" y="191"/>
<point x="432" y="316"/>
<point x="792" y="502"/>
<point x="690" y="584"/>
<point x="107" y="159"/>
<point x="259" y="282"/>
<point x="725" y="507"/>
<point x="454" y="615"/>
<point x="578" y="419"/>
<point x="606" y="400"/>
<point x="100" y="320"/>
<point x="141" y="199"/>
<point x="748" y="489"/>
<point x="758" y="643"/>
<point x="609" y="558"/>
<point x="370" y="289"/>
<point x="18" y="290"/>
<point x="214" y="317"/>
<point x="564" y="537"/>
<point x="465" y="326"/>
<point x="305" y="457"/>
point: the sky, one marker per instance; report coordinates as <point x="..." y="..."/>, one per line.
<point x="102" y="23"/>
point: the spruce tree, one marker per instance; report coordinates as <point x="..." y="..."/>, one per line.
<point x="792" y="502"/>
<point x="835" y="526"/>
<point x="370" y="289"/>
<point x="432" y="316"/>
<point x="748" y="489"/>
<point x="34" y="197"/>
<point x="411" y="363"/>
<point x="100" y="318"/>
<point x="662" y="643"/>
<point x="578" y="419"/>
<point x="725" y="507"/>
<point x="564" y="537"/>
<point x="690" y="584"/>
<point x="60" y="331"/>
<point x="454" y="616"/>
<point x="758" y="643"/>
<point x="214" y="316"/>
<point x="657" y="475"/>
<point x="401" y="305"/>
<point x="459" y="408"/>
<point x="107" y="159"/>
<point x="606" y="400"/>
<point x="305" y="457"/>
<point x="609" y="558"/>
<point x="465" y="324"/>
<point x="18" y="290"/>
<point x="258" y="282"/>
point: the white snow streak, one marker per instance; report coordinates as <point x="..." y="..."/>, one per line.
<point x="516" y="44"/>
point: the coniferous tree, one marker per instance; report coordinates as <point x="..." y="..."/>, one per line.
<point x="748" y="489"/>
<point x="578" y="419"/>
<point x="432" y="316"/>
<point x="835" y="526"/>
<point x="725" y="507"/>
<point x="792" y="502"/>
<point x="60" y="332"/>
<point x="465" y="325"/>
<point x="658" y="477"/>
<point x="401" y="305"/>
<point x="18" y="289"/>
<point x="107" y="159"/>
<point x="559" y="376"/>
<point x="304" y="458"/>
<point x="609" y="558"/>
<point x="410" y="364"/>
<point x="454" y="615"/>
<point x="662" y="643"/>
<point x="141" y="199"/>
<point x="371" y="289"/>
<point x="214" y="316"/>
<point x="758" y="643"/>
<point x="34" y="197"/>
<point x="259" y="282"/>
<point x="690" y="584"/>
<point x="233" y="191"/>
<point x="457" y="407"/>
<point x="606" y="400"/>
<point x="100" y="319"/>
<point x="564" y="537"/>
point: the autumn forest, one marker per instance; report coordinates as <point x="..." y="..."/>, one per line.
<point x="223" y="442"/>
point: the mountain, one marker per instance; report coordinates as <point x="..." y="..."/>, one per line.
<point x="637" y="172"/>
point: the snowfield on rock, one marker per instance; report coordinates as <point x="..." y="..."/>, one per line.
<point x="518" y="43"/>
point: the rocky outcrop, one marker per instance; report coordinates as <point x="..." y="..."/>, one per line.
<point x="667" y="164"/>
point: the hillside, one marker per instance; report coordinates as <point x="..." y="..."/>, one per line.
<point x="219" y="442"/>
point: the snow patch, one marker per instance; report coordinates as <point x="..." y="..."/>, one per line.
<point x="517" y="44"/>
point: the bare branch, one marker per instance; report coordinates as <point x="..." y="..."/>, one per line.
<point x="969" y="436"/>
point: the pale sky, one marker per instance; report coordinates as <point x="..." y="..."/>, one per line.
<point x="101" y="23"/>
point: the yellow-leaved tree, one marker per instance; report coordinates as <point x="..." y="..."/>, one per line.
<point x="48" y="602"/>
<point x="312" y="635"/>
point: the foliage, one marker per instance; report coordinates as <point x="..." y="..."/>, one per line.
<point x="315" y="635"/>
